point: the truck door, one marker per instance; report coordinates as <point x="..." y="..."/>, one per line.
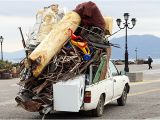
<point x="106" y="84"/>
<point x="109" y="88"/>
<point x="117" y="80"/>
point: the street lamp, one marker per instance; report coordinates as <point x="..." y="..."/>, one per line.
<point x="126" y="26"/>
<point x="136" y="50"/>
<point x="1" y="41"/>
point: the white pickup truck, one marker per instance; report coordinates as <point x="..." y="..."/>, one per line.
<point x="82" y="93"/>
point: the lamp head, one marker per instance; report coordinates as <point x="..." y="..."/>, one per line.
<point x="126" y="16"/>
<point x="118" y="22"/>
<point x="133" y="21"/>
<point x="1" y="38"/>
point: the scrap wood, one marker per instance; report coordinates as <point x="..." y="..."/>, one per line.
<point x="23" y="82"/>
<point x="67" y="76"/>
<point x="75" y="67"/>
<point x="104" y="71"/>
<point x="99" y="71"/>
<point x="39" y="88"/>
<point x="77" y="53"/>
<point x="106" y="66"/>
<point x="44" y="99"/>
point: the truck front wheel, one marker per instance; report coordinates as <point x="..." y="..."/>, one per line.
<point x="98" y="112"/>
<point x="122" y="100"/>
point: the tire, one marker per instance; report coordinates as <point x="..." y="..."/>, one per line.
<point x="98" y="112"/>
<point x="40" y="113"/>
<point x="122" y="100"/>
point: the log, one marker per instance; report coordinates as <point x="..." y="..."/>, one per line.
<point x="108" y="25"/>
<point x="54" y="41"/>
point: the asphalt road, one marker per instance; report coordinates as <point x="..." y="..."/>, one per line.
<point x="143" y="101"/>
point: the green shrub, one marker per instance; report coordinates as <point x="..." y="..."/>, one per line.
<point x="5" y="65"/>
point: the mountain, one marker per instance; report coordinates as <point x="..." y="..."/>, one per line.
<point x="147" y="45"/>
<point x="16" y="56"/>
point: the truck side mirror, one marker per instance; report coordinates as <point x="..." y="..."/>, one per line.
<point x="122" y="73"/>
<point x="114" y="74"/>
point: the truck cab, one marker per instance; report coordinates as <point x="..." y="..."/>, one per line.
<point x="114" y="87"/>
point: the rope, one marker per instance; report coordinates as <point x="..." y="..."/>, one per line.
<point x="91" y="31"/>
<point x="114" y="33"/>
<point x="87" y="30"/>
<point x="96" y="33"/>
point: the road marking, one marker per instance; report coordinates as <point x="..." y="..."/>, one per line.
<point x="143" y="92"/>
<point x="144" y="82"/>
<point x="7" y="102"/>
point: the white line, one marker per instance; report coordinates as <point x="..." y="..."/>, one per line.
<point x="144" y="82"/>
<point x="143" y="92"/>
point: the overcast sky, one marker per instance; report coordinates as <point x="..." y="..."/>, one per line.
<point x="16" y="13"/>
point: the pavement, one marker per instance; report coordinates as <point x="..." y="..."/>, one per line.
<point x="143" y="100"/>
<point x="152" y="74"/>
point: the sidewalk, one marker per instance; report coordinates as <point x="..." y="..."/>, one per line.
<point x="148" y="75"/>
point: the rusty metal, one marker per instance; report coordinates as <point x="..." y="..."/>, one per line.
<point x="28" y="104"/>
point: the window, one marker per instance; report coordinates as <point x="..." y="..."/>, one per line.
<point x="113" y="69"/>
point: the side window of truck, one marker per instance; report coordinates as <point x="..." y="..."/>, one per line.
<point x="113" y="69"/>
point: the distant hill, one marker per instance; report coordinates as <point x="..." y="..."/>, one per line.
<point x="16" y="56"/>
<point x="146" y="45"/>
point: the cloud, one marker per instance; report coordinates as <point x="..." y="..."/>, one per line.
<point x="16" y="20"/>
<point x="143" y="26"/>
<point x="9" y="30"/>
<point x="15" y="13"/>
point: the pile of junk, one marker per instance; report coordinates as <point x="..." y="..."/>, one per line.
<point x="61" y="46"/>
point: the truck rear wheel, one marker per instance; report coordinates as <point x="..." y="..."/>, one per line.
<point x="98" y="112"/>
<point x="122" y="100"/>
<point x="40" y="113"/>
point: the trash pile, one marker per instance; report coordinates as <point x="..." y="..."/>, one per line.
<point x="60" y="47"/>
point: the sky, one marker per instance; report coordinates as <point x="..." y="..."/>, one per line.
<point x="21" y="13"/>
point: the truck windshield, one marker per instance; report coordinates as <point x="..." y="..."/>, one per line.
<point x="113" y="69"/>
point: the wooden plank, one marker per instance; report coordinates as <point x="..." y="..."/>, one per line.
<point x="104" y="72"/>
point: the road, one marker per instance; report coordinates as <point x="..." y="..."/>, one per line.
<point x="143" y="101"/>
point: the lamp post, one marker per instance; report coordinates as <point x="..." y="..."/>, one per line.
<point x="126" y="26"/>
<point x="1" y="41"/>
<point x="136" y="50"/>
